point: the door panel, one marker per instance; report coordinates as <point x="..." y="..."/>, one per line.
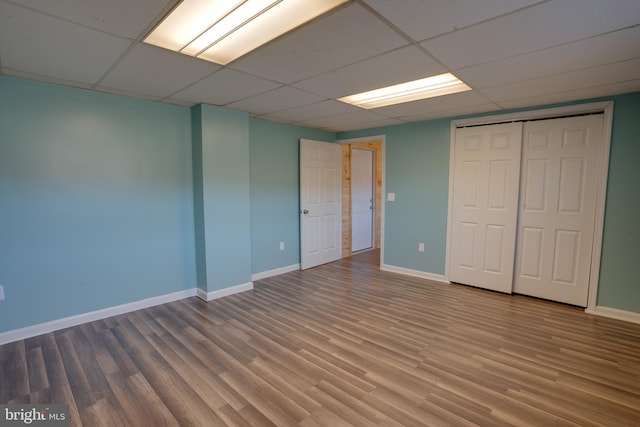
<point x="557" y="209"/>
<point x="320" y="202"/>
<point x="485" y="202"/>
<point x="362" y="192"/>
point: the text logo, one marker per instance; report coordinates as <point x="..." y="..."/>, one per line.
<point x="34" y="415"/>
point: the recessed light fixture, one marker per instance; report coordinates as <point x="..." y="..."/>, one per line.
<point x="223" y="30"/>
<point x="442" y="84"/>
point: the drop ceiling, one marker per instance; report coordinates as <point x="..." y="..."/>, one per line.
<point x="513" y="53"/>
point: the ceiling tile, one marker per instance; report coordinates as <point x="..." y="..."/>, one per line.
<point x="275" y="100"/>
<point x="452" y="112"/>
<point x="122" y="17"/>
<point x="36" y="43"/>
<point x="545" y="25"/>
<point x="47" y="79"/>
<point x="575" y="95"/>
<point x="328" y="43"/>
<point x="514" y="53"/>
<point x="421" y="19"/>
<point x="156" y="72"/>
<point x="591" y="77"/>
<point x="612" y="47"/>
<point x="358" y="119"/>
<point x="456" y="100"/>
<point x="129" y="93"/>
<point x="223" y="87"/>
<point x="312" y="111"/>
<point x="379" y="71"/>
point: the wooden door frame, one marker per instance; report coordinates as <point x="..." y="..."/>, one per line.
<point x="377" y="145"/>
<point x="606" y="108"/>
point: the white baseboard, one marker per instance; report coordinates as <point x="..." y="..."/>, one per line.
<point x="54" y="325"/>
<point x="614" y="313"/>
<point x="209" y="296"/>
<point x="275" y="272"/>
<point x="414" y="273"/>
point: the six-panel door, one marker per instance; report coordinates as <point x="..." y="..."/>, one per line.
<point x="557" y="208"/>
<point x="485" y="202"/>
<point x="320" y="203"/>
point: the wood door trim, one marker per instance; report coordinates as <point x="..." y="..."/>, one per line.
<point x="375" y="145"/>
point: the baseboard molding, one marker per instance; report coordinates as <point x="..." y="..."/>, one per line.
<point x="614" y="313"/>
<point x="275" y="272"/>
<point x="66" y="322"/>
<point x="210" y="296"/>
<point x="414" y="273"/>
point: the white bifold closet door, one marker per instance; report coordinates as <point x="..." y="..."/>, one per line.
<point x="524" y="205"/>
<point x="485" y="202"/>
<point x="558" y="190"/>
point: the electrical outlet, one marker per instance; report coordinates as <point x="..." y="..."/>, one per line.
<point x="391" y="197"/>
<point x="420" y="247"/>
<point x="1" y="293"/>
<point x="282" y="246"/>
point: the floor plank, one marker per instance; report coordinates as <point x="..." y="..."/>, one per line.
<point x="340" y="344"/>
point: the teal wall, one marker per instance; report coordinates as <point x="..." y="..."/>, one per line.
<point x="417" y="170"/>
<point x="223" y="225"/>
<point x="106" y="200"/>
<point x="198" y="199"/>
<point x="96" y="204"/>
<point x="275" y="200"/>
<point x="619" y="280"/>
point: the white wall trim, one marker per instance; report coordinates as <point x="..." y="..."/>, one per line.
<point x="614" y="313"/>
<point x="275" y="272"/>
<point x="209" y="296"/>
<point x="605" y="107"/>
<point x="447" y="255"/>
<point x="66" y="322"/>
<point x="414" y="273"/>
<point x="601" y="199"/>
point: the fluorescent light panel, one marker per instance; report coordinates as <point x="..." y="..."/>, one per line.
<point x="223" y="30"/>
<point x="430" y="87"/>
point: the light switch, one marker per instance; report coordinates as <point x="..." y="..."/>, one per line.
<point x="391" y="197"/>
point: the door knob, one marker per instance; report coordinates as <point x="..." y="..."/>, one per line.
<point x="305" y="211"/>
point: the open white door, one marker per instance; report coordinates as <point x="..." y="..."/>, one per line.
<point x="320" y="203"/>
<point x="485" y="203"/>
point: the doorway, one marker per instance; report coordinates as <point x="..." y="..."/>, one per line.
<point x="362" y="199"/>
<point x="373" y="145"/>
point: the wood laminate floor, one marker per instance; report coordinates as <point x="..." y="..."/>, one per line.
<point x="340" y="344"/>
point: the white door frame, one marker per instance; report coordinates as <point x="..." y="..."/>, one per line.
<point x="383" y="140"/>
<point x="605" y="107"/>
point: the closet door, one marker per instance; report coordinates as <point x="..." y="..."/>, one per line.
<point x="484" y="205"/>
<point x="557" y="208"/>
